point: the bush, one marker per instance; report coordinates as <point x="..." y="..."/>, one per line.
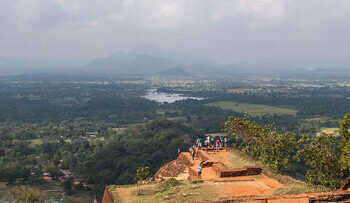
<point x="169" y="184"/>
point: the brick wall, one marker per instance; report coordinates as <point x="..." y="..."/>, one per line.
<point x="107" y="197"/>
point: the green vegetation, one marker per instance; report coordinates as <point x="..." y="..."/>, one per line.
<point x="322" y="154"/>
<point x="254" y="109"/>
<point x="325" y="156"/>
<point x="169" y="191"/>
<point x="263" y="143"/>
<point x="168" y="184"/>
<point x="328" y="131"/>
<point x="291" y="185"/>
<point x="87" y="125"/>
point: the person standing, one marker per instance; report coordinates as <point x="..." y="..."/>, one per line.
<point x="191" y="150"/>
<point x="199" y="143"/>
<point x="217" y="145"/>
<point x="225" y="142"/>
<point x="199" y="171"/>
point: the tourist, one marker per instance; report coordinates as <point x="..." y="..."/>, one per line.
<point x="199" y="143"/>
<point x="221" y="142"/>
<point x="217" y="145"/>
<point x="199" y="171"/>
<point x="225" y="142"/>
<point x="191" y="150"/>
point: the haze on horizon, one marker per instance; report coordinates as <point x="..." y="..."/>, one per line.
<point x="298" y="33"/>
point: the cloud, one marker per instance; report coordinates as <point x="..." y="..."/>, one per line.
<point x="36" y="13"/>
<point x="230" y="30"/>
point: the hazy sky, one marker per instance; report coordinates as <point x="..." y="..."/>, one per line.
<point x="301" y="32"/>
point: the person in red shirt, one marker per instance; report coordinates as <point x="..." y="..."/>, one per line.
<point x="217" y="145"/>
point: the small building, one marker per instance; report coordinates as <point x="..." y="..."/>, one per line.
<point x="47" y="176"/>
<point x="67" y="173"/>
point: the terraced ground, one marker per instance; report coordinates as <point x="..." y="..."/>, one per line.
<point x="185" y="187"/>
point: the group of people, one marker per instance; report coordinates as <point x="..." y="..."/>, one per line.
<point x="209" y="142"/>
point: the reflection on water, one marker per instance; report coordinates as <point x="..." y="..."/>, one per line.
<point x="166" y="97"/>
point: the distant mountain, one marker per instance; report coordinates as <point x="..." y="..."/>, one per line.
<point x="129" y="64"/>
<point x="180" y="57"/>
<point x="148" y="60"/>
<point x="177" y="71"/>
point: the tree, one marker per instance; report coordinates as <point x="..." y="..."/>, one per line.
<point x="263" y="143"/>
<point x="142" y="173"/>
<point x="322" y="154"/>
<point x="54" y="172"/>
<point x="27" y="195"/>
<point x="345" y="133"/>
<point x="67" y="185"/>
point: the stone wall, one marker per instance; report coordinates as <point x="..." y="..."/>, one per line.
<point x="174" y="168"/>
<point x="107" y="197"/>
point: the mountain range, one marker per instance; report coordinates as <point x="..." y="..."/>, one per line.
<point x="150" y="60"/>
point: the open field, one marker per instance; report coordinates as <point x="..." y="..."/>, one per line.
<point x="330" y="131"/>
<point x="254" y="109"/>
<point x="318" y="119"/>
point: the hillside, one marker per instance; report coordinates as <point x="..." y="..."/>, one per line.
<point x="129" y="64"/>
<point x="150" y="144"/>
<point x="177" y="71"/>
<point x="244" y="186"/>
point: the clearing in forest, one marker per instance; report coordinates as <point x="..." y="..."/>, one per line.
<point x="254" y="109"/>
<point x="329" y="131"/>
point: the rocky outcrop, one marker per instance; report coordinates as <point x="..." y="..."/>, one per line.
<point x="222" y="171"/>
<point x="174" y="168"/>
<point x="107" y="196"/>
<point x="346" y="184"/>
<point x="334" y="197"/>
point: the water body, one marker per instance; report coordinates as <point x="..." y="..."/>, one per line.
<point x="162" y="97"/>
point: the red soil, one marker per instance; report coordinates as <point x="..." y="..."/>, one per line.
<point x="242" y="188"/>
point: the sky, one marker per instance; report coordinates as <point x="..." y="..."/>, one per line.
<point x="294" y="32"/>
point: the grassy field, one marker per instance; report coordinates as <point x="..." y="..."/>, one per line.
<point x="168" y="191"/>
<point x="254" y="109"/>
<point x="318" y="119"/>
<point x="330" y="131"/>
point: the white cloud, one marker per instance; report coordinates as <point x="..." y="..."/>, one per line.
<point x="235" y="29"/>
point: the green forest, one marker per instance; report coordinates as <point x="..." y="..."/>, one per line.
<point x="102" y="131"/>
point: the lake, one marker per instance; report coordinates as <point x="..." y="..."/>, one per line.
<point x="162" y="97"/>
